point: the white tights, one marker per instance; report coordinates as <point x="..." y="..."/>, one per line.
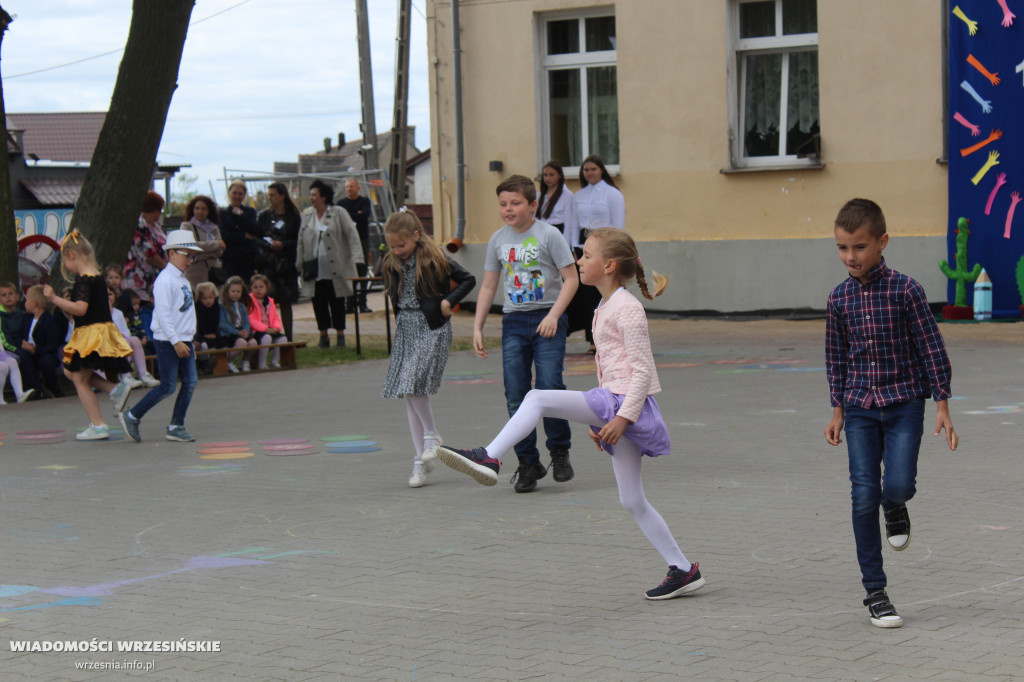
<point x="421" y="421"/>
<point x="572" y="405"/>
<point x="9" y="370"/>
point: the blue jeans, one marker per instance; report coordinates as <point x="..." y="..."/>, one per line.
<point x="878" y="437"/>
<point x="171" y="369"/>
<point x="521" y="348"/>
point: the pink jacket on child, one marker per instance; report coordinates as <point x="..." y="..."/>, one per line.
<point x="625" y="364"/>
<point x="261" y="320"/>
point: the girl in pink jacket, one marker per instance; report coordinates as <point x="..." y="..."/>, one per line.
<point x="624" y="418"/>
<point x="264" y="320"/>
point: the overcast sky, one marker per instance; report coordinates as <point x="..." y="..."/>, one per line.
<point x="261" y="82"/>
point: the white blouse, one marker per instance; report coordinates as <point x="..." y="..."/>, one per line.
<point x="598" y="205"/>
<point x="563" y="213"/>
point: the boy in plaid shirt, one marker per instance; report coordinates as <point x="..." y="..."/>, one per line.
<point x="885" y="356"/>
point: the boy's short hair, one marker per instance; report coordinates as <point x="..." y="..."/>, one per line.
<point x="35" y="293"/>
<point x="521" y="184"/>
<point x="858" y="213"/>
<point x="8" y="285"/>
<point x="132" y="295"/>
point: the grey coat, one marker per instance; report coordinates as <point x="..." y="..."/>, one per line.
<point x="341" y="243"/>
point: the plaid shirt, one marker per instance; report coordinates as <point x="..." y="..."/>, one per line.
<point x="882" y="345"/>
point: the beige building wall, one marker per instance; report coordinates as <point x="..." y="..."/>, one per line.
<point x="881" y="112"/>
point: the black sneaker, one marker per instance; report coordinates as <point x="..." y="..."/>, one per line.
<point x="897" y="528"/>
<point x="883" y="613"/>
<point x="475" y="463"/>
<point x="526" y="476"/>
<point x="677" y="583"/>
<point x="562" y="470"/>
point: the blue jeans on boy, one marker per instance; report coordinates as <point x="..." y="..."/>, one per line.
<point x="887" y="436"/>
<point x="171" y="368"/>
<point x="521" y="348"/>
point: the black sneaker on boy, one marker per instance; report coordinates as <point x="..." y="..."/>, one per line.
<point x="526" y="476"/>
<point x="474" y="463"/>
<point x="883" y="613"/>
<point x="561" y="469"/>
<point x="677" y="583"/>
<point x="897" y="527"/>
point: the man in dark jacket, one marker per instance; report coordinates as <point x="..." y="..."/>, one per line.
<point x="360" y="210"/>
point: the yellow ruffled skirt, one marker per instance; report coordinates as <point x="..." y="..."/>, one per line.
<point x="100" y="347"/>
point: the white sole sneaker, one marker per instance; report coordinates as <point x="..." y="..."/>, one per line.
<point x="430" y="446"/>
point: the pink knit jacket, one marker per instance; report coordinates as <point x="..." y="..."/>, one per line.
<point x="625" y="365"/>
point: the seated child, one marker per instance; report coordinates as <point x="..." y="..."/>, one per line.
<point x="39" y="343"/>
<point x="234" y="321"/>
<point x="130" y="304"/>
<point x="8" y="346"/>
<point x="138" y="357"/>
<point x="264" y="320"/>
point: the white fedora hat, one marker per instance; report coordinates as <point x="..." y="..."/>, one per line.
<point x="181" y="239"/>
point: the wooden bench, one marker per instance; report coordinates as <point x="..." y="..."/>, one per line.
<point x="221" y="356"/>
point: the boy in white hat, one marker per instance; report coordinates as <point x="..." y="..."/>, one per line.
<point x="173" y="326"/>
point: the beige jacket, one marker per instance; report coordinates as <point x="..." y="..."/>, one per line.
<point x="341" y="242"/>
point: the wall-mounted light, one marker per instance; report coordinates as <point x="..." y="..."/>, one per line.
<point x="496" y="166"/>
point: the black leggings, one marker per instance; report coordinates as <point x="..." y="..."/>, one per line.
<point x="328" y="308"/>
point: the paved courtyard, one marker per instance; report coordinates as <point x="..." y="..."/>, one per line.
<point x="328" y="565"/>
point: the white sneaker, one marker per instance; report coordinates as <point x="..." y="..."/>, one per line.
<point x="419" y="474"/>
<point x="127" y="378"/>
<point x="26" y="395"/>
<point x="232" y="368"/>
<point x="119" y="396"/>
<point x="245" y="366"/>
<point x="274" y="365"/>
<point x="149" y="381"/>
<point x="98" y="432"/>
<point x="430" y="445"/>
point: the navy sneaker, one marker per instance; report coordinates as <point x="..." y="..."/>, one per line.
<point x="130" y="425"/>
<point x="677" y="583"/>
<point x="475" y="463"/>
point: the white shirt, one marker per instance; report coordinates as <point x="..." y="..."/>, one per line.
<point x="562" y="214"/>
<point x="117" y="317"/>
<point x="598" y="205"/>
<point x="174" y="311"/>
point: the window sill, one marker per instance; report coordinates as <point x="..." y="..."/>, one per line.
<point x="789" y="168"/>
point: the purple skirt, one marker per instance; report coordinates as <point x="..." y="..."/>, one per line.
<point x="649" y="432"/>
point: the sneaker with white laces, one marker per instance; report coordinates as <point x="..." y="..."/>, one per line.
<point x="419" y="473"/>
<point x="677" y="583"/>
<point x="430" y="446"/>
<point x="178" y="433"/>
<point x="897" y="527"/>
<point x="474" y="463"/>
<point x="119" y="396"/>
<point x="94" y="432"/>
<point x="149" y="381"/>
<point x="130" y="424"/>
<point x="883" y="613"/>
<point x="245" y="366"/>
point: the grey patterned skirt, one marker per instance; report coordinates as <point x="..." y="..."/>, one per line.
<point x="418" y="356"/>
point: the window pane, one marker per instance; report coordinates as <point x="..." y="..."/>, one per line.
<point x="799" y="16"/>
<point x="565" y="124"/>
<point x="761" y="110"/>
<point x="600" y="33"/>
<point x="603" y="113"/>
<point x="564" y="36"/>
<point x="757" y="19"/>
<point x="802" y="113"/>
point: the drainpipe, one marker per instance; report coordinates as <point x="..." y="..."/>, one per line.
<point x="460" y="153"/>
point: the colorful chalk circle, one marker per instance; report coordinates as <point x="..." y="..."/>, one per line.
<point x="223" y="451"/>
<point x="224" y="444"/>
<point x="351" y="444"/>
<point x="341" y="439"/>
<point x="41" y="440"/>
<point x="38" y="432"/>
<point x="304" y="451"/>
<point x="284" y="441"/>
<point x="228" y="455"/>
<point x="284" y="447"/>
<point x="363" y="448"/>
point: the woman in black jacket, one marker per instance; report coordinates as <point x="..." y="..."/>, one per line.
<point x="239" y="231"/>
<point x="279" y="232"/>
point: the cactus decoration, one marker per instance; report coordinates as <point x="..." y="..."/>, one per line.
<point x="961" y="275"/>
<point x="1020" y="281"/>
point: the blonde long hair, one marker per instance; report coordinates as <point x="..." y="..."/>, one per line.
<point x="431" y="263"/>
<point x="618" y="246"/>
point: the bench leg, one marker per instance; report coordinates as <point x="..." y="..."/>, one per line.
<point x="287" y="359"/>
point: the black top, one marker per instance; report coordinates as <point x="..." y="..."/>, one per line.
<point x="93" y="290"/>
<point x="239" y="250"/>
<point x="284" y="229"/>
<point x="431" y="305"/>
<point x="360" y="210"/>
<point x="207" y="320"/>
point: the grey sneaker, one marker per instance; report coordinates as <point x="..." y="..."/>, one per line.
<point x="119" y="396"/>
<point x="94" y="432"/>
<point x="179" y="434"/>
<point x="130" y="425"/>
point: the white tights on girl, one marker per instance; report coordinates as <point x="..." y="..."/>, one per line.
<point x="9" y="370"/>
<point x="572" y="405"/>
<point x="421" y="421"/>
<point x="270" y="338"/>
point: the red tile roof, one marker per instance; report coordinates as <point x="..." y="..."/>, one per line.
<point x="69" y="136"/>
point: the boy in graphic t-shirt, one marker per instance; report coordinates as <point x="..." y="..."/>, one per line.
<point x="539" y="282"/>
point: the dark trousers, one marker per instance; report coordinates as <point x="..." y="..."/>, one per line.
<point x="360" y="289"/>
<point x="328" y="308"/>
<point x="45" y="364"/>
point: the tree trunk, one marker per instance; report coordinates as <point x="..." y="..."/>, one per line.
<point x="122" y="165"/>
<point x="8" y="233"/>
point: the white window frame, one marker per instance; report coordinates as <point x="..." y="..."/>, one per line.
<point x="738" y="49"/>
<point x="581" y="60"/>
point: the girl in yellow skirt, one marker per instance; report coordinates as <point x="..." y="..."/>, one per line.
<point x="96" y="344"/>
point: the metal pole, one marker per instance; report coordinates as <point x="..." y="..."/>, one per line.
<point x="460" y="152"/>
<point x="370" y="152"/>
<point x="400" y="129"/>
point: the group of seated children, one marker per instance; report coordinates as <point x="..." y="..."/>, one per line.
<point x="245" y="316"/>
<point x="32" y="338"/>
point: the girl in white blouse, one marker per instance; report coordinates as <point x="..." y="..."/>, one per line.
<point x="555" y="206"/>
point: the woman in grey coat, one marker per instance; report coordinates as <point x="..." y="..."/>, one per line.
<point x="326" y="258"/>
